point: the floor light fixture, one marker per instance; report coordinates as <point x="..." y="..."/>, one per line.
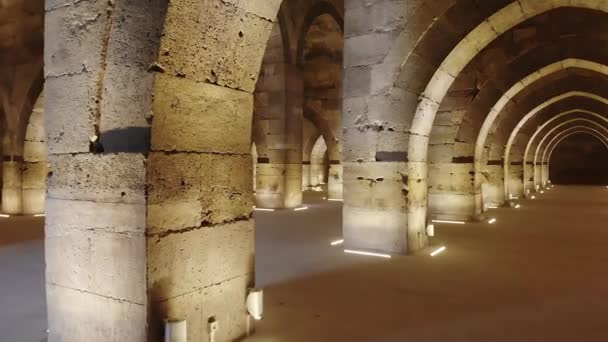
<point x="438" y="250"/>
<point x="448" y="221"/>
<point x="337" y="242"/>
<point x="350" y="251"/>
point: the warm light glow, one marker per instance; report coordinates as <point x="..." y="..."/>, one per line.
<point x="542" y="192"/>
<point x="517" y="206"/>
<point x="438" y="250"/>
<point x="513" y="197"/>
<point x="448" y="221"/>
<point x="335" y="199"/>
<point x="350" y="251"/>
<point x="39" y="215"/>
<point x="492" y="207"/>
<point x="492" y="221"/>
<point x="532" y="197"/>
<point x="4" y="215"/>
<point x="337" y="242"/>
<point x="301" y="208"/>
<point x="263" y="209"/>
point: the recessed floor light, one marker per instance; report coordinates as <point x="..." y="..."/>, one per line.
<point x="301" y="208"/>
<point x="337" y="242"/>
<point x="350" y="251"/>
<point x="448" y="221"/>
<point x="263" y="209"/>
<point x="5" y="215"/>
<point x="438" y="250"/>
<point x="492" y="221"/>
<point x="335" y="199"/>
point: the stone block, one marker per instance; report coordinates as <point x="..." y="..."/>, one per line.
<point x="106" y="264"/>
<point x="86" y="177"/>
<point x="76" y="316"/>
<point x="192" y="260"/>
<point x="228" y="54"/>
<point x="75" y="36"/>
<point x="69" y="104"/>
<point x="375" y="230"/>
<point x="187" y="115"/>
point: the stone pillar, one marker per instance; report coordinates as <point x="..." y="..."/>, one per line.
<point x="528" y="177"/>
<point x="98" y="101"/>
<point x="493" y="188"/>
<point x="516" y="185"/>
<point x="293" y="134"/>
<point x="35" y="165"/>
<point x="334" y="181"/>
<point x="270" y="185"/>
<point x="306" y="183"/>
<point x="315" y="174"/>
<point x="538" y="173"/>
<point x="544" y="174"/>
<point x="12" y="196"/>
<point x="375" y="134"/>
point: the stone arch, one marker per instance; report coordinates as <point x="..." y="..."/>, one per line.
<point x="436" y="89"/>
<point x="539" y="181"/>
<point x="318" y="9"/>
<point x="539" y="130"/>
<point x="320" y="55"/>
<point x="550" y="149"/>
<point x="495" y="111"/>
<point x="531" y="114"/>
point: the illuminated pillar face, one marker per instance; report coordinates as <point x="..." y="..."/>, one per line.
<point x="305" y="176"/>
<point x="11" y="187"/>
<point x="374" y="213"/>
<point x="334" y="182"/>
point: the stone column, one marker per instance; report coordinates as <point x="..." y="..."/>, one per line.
<point x="293" y="128"/>
<point x="375" y="134"/>
<point x="538" y="173"/>
<point x="515" y="179"/>
<point x="334" y="181"/>
<point x="528" y="177"/>
<point x="493" y="188"/>
<point x="12" y="196"/>
<point x="306" y="175"/>
<point x="35" y="165"/>
<point x="545" y="174"/>
<point x="98" y="96"/>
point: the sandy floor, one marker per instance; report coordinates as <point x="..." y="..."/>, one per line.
<point x="22" y="299"/>
<point x="537" y="274"/>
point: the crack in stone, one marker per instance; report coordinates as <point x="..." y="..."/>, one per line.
<point x="121" y="300"/>
<point x="73" y="73"/>
<point x="206" y="287"/>
<point x="204" y="224"/>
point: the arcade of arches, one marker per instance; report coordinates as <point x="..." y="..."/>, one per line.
<point x="161" y="159"/>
